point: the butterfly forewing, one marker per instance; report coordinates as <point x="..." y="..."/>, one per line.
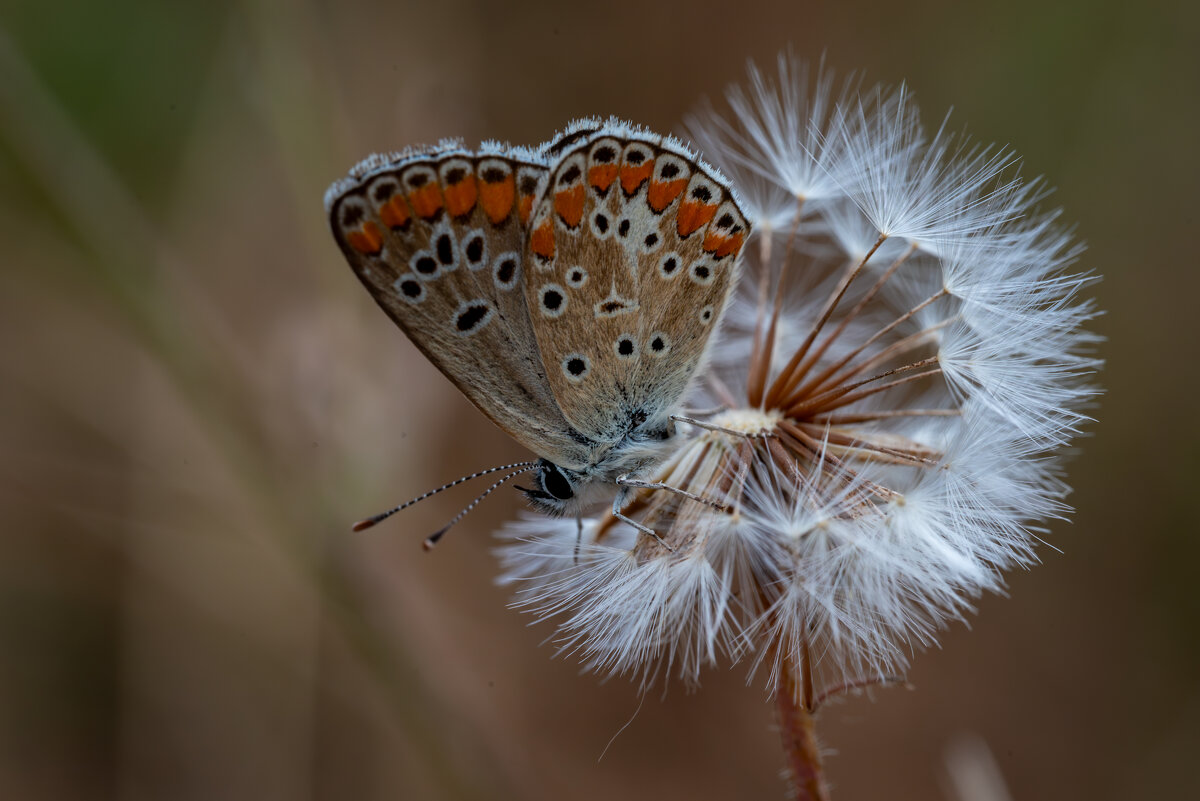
<point x="438" y="238"/>
<point x="632" y="252"/>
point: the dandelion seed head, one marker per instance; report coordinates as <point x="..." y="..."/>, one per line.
<point x="900" y="370"/>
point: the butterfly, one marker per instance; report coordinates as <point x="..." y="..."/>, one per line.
<point x="570" y="290"/>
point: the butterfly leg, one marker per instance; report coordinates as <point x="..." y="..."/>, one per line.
<point x="626" y="481"/>
<point x="619" y="504"/>
<point x="678" y="418"/>
<point x="578" y="534"/>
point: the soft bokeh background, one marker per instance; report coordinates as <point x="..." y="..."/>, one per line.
<point x="197" y="398"/>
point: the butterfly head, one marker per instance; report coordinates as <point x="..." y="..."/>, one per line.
<point x="556" y="490"/>
<point x="560" y="491"/>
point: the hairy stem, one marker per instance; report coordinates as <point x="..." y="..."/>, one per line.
<point x="798" y="730"/>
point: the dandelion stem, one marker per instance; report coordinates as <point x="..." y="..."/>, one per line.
<point x="858" y="684"/>
<point x="824" y="378"/>
<point x="912" y="455"/>
<point x="764" y="281"/>
<point x="789" y="373"/>
<point x="900" y="347"/>
<point x="821" y="456"/>
<point x="798" y="729"/>
<point x="846" y="400"/>
<point x="760" y="361"/>
<point x="815" y="355"/>
<point x="805" y="407"/>
<point x="869" y="417"/>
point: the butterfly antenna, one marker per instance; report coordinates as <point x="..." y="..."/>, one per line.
<point x="433" y="538"/>
<point x="370" y="521"/>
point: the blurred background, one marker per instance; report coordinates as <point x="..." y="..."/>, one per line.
<point x="197" y="399"/>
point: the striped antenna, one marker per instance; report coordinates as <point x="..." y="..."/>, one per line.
<point x="433" y="538"/>
<point x="370" y="521"/>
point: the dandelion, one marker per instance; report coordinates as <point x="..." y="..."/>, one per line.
<point x="900" y="370"/>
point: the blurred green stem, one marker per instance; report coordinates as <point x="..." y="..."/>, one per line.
<point x="127" y="257"/>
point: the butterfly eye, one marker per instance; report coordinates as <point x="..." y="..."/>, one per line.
<point x="555" y="483"/>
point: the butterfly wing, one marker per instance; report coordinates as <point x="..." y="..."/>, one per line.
<point x="437" y="237"/>
<point x="632" y="253"/>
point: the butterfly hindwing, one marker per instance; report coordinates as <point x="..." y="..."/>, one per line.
<point x="438" y="239"/>
<point x="632" y="253"/>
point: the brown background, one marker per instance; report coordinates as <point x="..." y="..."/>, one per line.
<point x="196" y="398"/>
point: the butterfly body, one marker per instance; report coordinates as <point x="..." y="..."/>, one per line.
<point x="569" y="291"/>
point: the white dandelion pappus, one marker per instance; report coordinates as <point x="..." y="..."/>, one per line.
<point x="901" y="367"/>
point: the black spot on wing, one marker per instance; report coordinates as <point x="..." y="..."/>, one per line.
<point x="445" y="249"/>
<point x="472" y="317"/>
<point x="566" y="141"/>
<point x="475" y="249"/>
<point x="570" y="175"/>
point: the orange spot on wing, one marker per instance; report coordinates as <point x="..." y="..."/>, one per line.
<point x="601" y="176"/>
<point x="720" y="245"/>
<point x="497" y="198"/>
<point x="569" y="205"/>
<point x="541" y="242"/>
<point x="731" y="245"/>
<point x="395" y="212"/>
<point x="460" y="197"/>
<point x="662" y="194"/>
<point x="367" y="239"/>
<point x="712" y="240"/>
<point x="692" y="216"/>
<point x="524" y="208"/>
<point x="632" y="177"/>
<point x="426" y="201"/>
